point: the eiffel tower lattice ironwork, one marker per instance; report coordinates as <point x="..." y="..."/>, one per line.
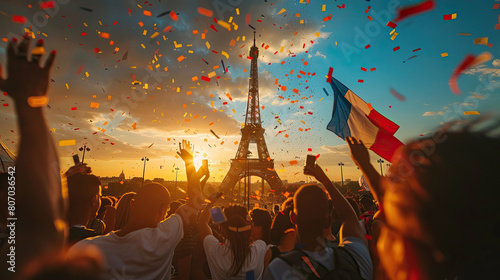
<point x="252" y="132"/>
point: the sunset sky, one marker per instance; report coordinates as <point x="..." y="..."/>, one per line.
<point x="297" y="36"/>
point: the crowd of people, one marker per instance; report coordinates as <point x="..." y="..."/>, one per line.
<point x="423" y="220"/>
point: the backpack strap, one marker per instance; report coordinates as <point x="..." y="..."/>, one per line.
<point x="275" y="252"/>
<point x="307" y="267"/>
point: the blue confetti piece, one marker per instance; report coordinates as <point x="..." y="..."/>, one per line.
<point x="252" y="27"/>
<point x="326" y="92"/>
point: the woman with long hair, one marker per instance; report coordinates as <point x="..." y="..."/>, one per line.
<point x="237" y="258"/>
<point x="123" y="210"/>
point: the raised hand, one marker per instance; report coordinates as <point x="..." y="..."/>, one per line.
<point x="186" y="151"/>
<point x="79" y="168"/>
<point x="26" y="77"/>
<point x="359" y="152"/>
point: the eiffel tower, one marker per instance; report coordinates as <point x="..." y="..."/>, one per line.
<point x="242" y="166"/>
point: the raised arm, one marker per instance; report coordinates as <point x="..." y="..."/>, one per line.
<point x="350" y="222"/>
<point x="203" y="227"/>
<point x="361" y="158"/>
<point x="40" y="203"/>
<point x="193" y="181"/>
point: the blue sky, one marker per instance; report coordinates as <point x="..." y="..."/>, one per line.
<point x="160" y="114"/>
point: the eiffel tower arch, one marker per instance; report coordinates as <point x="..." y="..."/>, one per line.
<point x="252" y="133"/>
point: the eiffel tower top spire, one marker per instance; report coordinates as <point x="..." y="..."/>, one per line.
<point x="253" y="111"/>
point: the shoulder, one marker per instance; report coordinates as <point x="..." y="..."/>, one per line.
<point x="210" y="243"/>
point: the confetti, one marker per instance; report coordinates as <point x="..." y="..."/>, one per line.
<point x="444" y="54"/>
<point x="47" y="5"/>
<point x="94" y="105"/>
<point x="134" y="126"/>
<point x="38" y="101"/>
<point x="63" y="143"/>
<point x="468" y="62"/>
<point x="467" y="113"/>
<point x="293" y="162"/>
<point x="173" y="15"/>
<point x="282" y="11"/>
<point x="450" y="17"/>
<point x="397" y="95"/>
<point x="214" y="134"/>
<point x="205" y="12"/>
<point x="19" y="19"/>
<point x="481" y="41"/>
<point x="412" y="10"/>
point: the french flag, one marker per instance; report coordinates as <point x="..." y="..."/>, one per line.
<point x="352" y="116"/>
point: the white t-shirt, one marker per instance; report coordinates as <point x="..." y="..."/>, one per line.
<point x="278" y="269"/>
<point x="142" y="254"/>
<point x="220" y="259"/>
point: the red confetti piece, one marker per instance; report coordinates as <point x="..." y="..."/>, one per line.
<point x="412" y="10"/>
<point x="293" y="162"/>
<point x="363" y="69"/>
<point x="330" y="72"/>
<point x="368" y="9"/>
<point x="173" y="15"/>
<point x="396" y="48"/>
<point x="361" y="81"/>
<point x="207" y="79"/>
<point x="19" y="19"/>
<point x="309" y="150"/>
<point x="79" y="70"/>
<point x="84" y="34"/>
<point x="6" y="104"/>
<point x="466" y="63"/>
<point x="47" y="5"/>
<point x="373" y="69"/>
<point x="367" y="46"/>
<point x="391" y="24"/>
<point x="96" y="50"/>
<point x="416" y="50"/>
<point x="447" y="17"/>
<point x="73" y="108"/>
<point x="397" y="95"/>
<point x="213" y="27"/>
<point x="129" y="12"/>
<point x="247" y="19"/>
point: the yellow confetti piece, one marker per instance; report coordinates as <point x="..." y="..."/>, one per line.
<point x="38" y="51"/>
<point x="63" y="143"/>
<point x="67" y="86"/>
<point x="87" y="74"/>
<point x="178" y="45"/>
<point x="154" y="35"/>
<point x="317" y="34"/>
<point x="224" y="24"/>
<point x="454" y="16"/>
<point x="94" y="105"/>
<point x="323" y="8"/>
<point x="38" y="101"/>
<point x="481" y="41"/>
<point x="282" y="11"/>
<point x="109" y="97"/>
<point x="211" y="74"/>
<point x="225" y="54"/>
<point x="237" y="11"/>
<point x="444" y="54"/>
<point x="394" y="36"/>
<point x="194" y="79"/>
<point x="282" y="48"/>
<point x="142" y="45"/>
<point x="207" y="44"/>
<point x="467" y="113"/>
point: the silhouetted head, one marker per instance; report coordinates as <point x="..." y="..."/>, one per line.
<point x="237" y="230"/>
<point x="84" y="192"/>
<point x="149" y="206"/>
<point x="123" y="210"/>
<point x="282" y="226"/>
<point x="312" y="214"/>
<point x="261" y="224"/>
<point x="441" y="206"/>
